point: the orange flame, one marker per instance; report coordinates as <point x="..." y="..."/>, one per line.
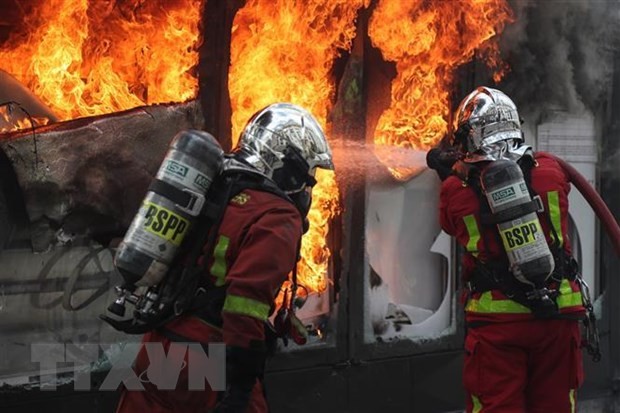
<point x="282" y="51"/>
<point x="428" y="40"/>
<point x="92" y="57"/>
<point x="12" y="118"/>
<point x="89" y="57"/>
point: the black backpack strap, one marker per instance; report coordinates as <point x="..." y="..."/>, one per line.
<point x="207" y="229"/>
<point x="254" y="181"/>
<point x="564" y="261"/>
<point x="485" y="214"/>
<point x="527" y="163"/>
<point x="184" y="199"/>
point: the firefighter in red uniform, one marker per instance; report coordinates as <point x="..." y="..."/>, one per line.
<point x="256" y="247"/>
<point x="523" y="344"/>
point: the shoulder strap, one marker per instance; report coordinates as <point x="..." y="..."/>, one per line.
<point x="527" y="164"/>
<point x="204" y="233"/>
<point x="562" y="259"/>
<point x="469" y="174"/>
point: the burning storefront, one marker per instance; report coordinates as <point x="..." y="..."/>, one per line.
<point x="92" y="92"/>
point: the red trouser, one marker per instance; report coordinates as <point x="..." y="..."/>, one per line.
<point x="181" y="400"/>
<point x="523" y="367"/>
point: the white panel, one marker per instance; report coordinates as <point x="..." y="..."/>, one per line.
<point x="585" y="221"/>
<point x="573" y="138"/>
<point x="410" y="295"/>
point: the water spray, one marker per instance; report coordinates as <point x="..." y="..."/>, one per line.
<point x="358" y="162"/>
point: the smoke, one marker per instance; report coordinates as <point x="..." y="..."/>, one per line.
<point x="560" y="53"/>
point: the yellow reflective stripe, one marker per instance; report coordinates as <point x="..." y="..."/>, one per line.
<point x="486" y="304"/>
<point x="246" y="306"/>
<point x="565" y="287"/>
<point x="568" y="297"/>
<point x="218" y="269"/>
<point x="570" y="300"/>
<point x="477" y="404"/>
<point x="553" y="199"/>
<point x="571" y="397"/>
<point x="474" y="234"/>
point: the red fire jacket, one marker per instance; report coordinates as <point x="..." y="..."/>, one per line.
<point x="255" y="250"/>
<point x="460" y="217"/>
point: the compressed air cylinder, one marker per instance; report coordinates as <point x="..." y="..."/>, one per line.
<point x="523" y="239"/>
<point x="171" y="206"/>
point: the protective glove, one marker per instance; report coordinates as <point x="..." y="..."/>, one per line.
<point x="287" y="325"/>
<point x="243" y="367"/>
<point x="442" y="160"/>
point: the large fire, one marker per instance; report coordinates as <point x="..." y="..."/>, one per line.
<point x="283" y="51"/>
<point x="88" y="57"/>
<point x="428" y="40"/>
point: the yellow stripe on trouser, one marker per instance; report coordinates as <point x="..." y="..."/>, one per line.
<point x="474" y="234"/>
<point x="553" y="199"/>
<point x="246" y="306"/>
<point x="486" y="303"/>
<point x="477" y="404"/>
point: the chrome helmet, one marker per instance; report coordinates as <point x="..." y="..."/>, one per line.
<point x="285" y="143"/>
<point x="488" y="126"/>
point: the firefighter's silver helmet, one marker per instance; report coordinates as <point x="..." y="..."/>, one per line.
<point x="285" y="143"/>
<point x="488" y="125"/>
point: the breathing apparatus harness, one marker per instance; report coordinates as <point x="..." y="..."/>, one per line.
<point x="540" y="298"/>
<point x="187" y="289"/>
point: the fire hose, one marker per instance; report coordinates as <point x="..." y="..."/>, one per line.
<point x="591" y="339"/>
<point x="594" y="200"/>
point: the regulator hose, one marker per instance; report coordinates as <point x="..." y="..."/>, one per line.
<point x="593" y="198"/>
